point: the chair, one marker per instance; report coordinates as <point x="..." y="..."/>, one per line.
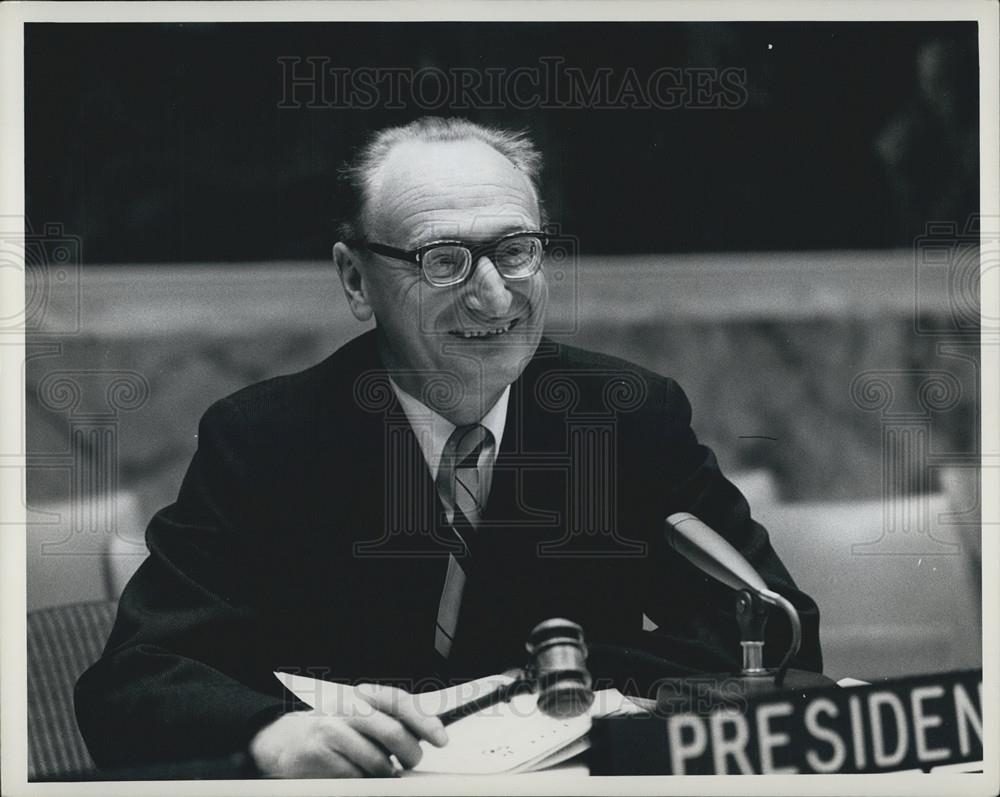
<point x="62" y="642"/>
<point x="74" y="581"/>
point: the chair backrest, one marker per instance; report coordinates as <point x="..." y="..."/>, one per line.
<point x="62" y="642"/>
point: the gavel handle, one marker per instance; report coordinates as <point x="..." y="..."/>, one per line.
<point x="501" y="695"/>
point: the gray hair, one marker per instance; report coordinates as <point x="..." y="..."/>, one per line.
<point x="356" y="175"/>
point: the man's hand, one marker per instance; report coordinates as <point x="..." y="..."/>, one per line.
<point x="354" y="743"/>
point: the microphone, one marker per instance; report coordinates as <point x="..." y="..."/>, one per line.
<point x="557" y="669"/>
<point x="711" y="553"/>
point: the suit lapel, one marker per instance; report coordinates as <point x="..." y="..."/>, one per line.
<point x="389" y="514"/>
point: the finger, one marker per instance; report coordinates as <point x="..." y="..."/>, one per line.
<point x="340" y="737"/>
<point x="400" y="704"/>
<point x="319" y="761"/>
<point x="391" y="734"/>
<point x="342" y="767"/>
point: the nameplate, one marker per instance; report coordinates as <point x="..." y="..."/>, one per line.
<point x="908" y="723"/>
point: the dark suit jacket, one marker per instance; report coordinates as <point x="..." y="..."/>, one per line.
<point x="307" y="536"/>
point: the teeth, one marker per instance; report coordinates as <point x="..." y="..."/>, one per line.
<point x="483" y="333"/>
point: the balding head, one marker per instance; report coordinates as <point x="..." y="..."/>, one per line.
<point x="360" y="176"/>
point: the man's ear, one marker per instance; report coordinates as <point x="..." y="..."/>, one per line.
<point x="353" y="280"/>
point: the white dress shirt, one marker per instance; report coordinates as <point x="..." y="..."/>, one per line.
<point x="433" y="431"/>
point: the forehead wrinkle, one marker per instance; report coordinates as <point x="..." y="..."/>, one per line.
<point x="489" y="179"/>
<point x="455" y="201"/>
<point x="421" y="227"/>
<point x="405" y="217"/>
<point x="457" y="209"/>
<point x="468" y="192"/>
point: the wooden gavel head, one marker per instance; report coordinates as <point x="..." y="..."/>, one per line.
<point x="559" y="668"/>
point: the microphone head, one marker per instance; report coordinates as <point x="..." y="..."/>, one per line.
<point x="711" y="553"/>
<point x="559" y="656"/>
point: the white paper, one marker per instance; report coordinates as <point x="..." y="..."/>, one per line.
<point x="507" y="737"/>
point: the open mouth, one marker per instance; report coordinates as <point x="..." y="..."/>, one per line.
<point x="486" y="332"/>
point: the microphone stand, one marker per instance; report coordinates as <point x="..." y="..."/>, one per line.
<point x="705" y="693"/>
<point x="712" y="554"/>
<point x="751" y="614"/>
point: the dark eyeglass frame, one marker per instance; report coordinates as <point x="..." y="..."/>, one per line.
<point x="475" y="250"/>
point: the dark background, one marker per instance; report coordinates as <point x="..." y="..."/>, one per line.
<point x="165" y="142"/>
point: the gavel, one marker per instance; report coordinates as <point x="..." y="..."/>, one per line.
<point x="557" y="670"/>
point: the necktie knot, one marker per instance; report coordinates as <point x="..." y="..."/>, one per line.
<point x="463" y="476"/>
<point x="465" y="443"/>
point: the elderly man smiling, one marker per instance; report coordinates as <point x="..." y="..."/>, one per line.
<point x="403" y="513"/>
<point x="474" y="312"/>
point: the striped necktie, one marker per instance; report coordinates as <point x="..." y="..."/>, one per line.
<point x="463" y="482"/>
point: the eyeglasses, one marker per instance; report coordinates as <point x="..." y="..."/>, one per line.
<point x="516" y="256"/>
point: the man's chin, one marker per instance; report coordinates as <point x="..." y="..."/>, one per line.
<point x="497" y="365"/>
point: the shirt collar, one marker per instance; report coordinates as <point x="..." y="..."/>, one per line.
<point x="432" y="430"/>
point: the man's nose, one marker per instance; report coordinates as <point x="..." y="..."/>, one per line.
<point x="487" y="291"/>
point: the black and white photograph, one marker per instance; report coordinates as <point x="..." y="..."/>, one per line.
<point x="499" y="398"/>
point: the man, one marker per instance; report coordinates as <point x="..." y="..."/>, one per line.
<point x="410" y="508"/>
